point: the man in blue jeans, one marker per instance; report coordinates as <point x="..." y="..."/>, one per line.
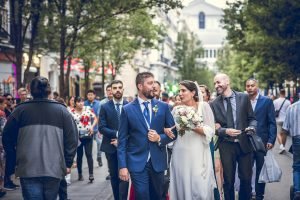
<point x="291" y="126"/>
<point x="44" y="136"/>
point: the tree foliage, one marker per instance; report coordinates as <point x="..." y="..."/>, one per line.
<point x="264" y="39"/>
<point x="187" y="54"/>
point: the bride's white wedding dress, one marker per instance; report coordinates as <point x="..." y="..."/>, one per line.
<point x="191" y="171"/>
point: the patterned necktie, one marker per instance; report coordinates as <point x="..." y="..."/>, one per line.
<point x="118" y="110"/>
<point x="229" y="114"/>
<point x="146" y="112"/>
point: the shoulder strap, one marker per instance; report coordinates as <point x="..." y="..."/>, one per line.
<point x="281" y="105"/>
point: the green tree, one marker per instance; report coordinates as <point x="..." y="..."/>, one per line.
<point x="72" y="20"/>
<point x="187" y="54"/>
<point x="265" y="35"/>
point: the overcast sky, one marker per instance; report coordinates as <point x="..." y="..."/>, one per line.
<point x="218" y="3"/>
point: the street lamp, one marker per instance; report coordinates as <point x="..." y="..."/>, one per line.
<point x="103" y="35"/>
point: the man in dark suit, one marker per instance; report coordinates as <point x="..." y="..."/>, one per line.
<point x="109" y="125"/>
<point x="234" y="114"/>
<point x="264" y="112"/>
<point x="142" y="142"/>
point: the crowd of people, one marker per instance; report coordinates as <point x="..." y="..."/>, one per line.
<point x="193" y="145"/>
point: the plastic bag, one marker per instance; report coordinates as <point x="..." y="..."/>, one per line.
<point x="270" y="171"/>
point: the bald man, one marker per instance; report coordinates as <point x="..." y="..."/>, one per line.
<point x="233" y="112"/>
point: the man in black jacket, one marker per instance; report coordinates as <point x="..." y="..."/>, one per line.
<point x="44" y="136"/>
<point x="109" y="125"/>
<point x="233" y="112"/>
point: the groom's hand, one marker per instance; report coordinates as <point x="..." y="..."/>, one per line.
<point x="124" y="174"/>
<point x="153" y="136"/>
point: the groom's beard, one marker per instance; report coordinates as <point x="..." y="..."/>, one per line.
<point x="148" y="94"/>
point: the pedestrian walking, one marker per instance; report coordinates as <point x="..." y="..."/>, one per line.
<point x="266" y="129"/>
<point x="109" y="125"/>
<point x="291" y="126"/>
<point x="233" y="111"/>
<point x="43" y="133"/>
<point x="281" y="105"/>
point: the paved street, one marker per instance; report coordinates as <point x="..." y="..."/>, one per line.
<point x="101" y="190"/>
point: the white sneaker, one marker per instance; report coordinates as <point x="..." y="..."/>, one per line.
<point x="281" y="149"/>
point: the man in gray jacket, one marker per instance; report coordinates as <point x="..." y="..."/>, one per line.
<point x="44" y="136"/>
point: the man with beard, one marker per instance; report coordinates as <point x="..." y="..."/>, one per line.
<point x="141" y="148"/>
<point x="233" y="112"/>
<point x="266" y="129"/>
<point x="109" y="126"/>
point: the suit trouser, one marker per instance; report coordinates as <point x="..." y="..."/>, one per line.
<point x="119" y="187"/>
<point x="231" y="154"/>
<point x="148" y="184"/>
<point x="259" y="187"/>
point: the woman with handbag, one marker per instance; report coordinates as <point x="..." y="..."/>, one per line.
<point x="86" y="120"/>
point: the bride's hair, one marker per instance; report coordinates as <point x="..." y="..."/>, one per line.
<point x="191" y="86"/>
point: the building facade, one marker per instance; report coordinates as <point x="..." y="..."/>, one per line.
<point x="204" y="19"/>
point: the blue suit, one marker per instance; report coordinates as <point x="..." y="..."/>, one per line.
<point x="134" y="147"/>
<point x="266" y="128"/>
<point x="108" y="126"/>
<point x="265" y="116"/>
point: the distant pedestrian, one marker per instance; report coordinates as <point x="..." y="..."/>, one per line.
<point x="2" y="153"/>
<point x="291" y="126"/>
<point x="86" y="121"/>
<point x="22" y="92"/>
<point x="44" y="135"/>
<point x="281" y="105"/>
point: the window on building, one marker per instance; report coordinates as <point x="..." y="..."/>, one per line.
<point x="206" y="53"/>
<point x="215" y="53"/>
<point x="201" y="20"/>
<point x="210" y="53"/>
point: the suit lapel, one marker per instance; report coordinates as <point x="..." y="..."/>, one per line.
<point x="221" y="106"/>
<point x="258" y="104"/>
<point x="114" y="111"/>
<point x="153" y="104"/>
<point x="237" y="104"/>
<point x="139" y="112"/>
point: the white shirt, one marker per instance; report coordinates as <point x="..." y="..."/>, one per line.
<point x="282" y="113"/>
<point x="120" y="106"/>
<point x="141" y="101"/>
<point x="254" y="102"/>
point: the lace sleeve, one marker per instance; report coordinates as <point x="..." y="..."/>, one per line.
<point x="208" y="122"/>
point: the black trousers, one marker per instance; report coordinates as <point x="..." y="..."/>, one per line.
<point x="259" y="187"/>
<point x="231" y="154"/>
<point x="63" y="190"/>
<point x="87" y="144"/>
<point x="119" y="187"/>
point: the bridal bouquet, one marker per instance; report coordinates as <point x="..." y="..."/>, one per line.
<point x="186" y="119"/>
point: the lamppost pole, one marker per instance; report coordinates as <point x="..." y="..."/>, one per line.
<point x="103" y="34"/>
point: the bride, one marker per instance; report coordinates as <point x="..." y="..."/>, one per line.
<point x="191" y="170"/>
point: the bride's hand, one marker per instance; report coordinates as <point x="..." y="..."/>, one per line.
<point x="169" y="132"/>
<point x="199" y="130"/>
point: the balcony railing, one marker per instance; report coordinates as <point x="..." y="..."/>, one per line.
<point x="4" y="22"/>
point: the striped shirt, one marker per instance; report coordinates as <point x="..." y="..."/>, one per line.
<point x="292" y="120"/>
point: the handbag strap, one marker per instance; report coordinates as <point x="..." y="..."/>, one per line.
<point x="281" y="105"/>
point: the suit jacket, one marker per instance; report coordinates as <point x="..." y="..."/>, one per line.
<point x="109" y="125"/>
<point x="244" y="118"/>
<point x="134" y="145"/>
<point x="266" y="123"/>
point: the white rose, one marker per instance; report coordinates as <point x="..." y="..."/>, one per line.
<point x="184" y="119"/>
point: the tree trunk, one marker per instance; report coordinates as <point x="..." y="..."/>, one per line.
<point x="35" y="16"/>
<point x="63" y="32"/>
<point x="67" y="81"/>
<point x="86" y="74"/>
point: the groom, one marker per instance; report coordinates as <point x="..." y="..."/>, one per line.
<point x="141" y="149"/>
